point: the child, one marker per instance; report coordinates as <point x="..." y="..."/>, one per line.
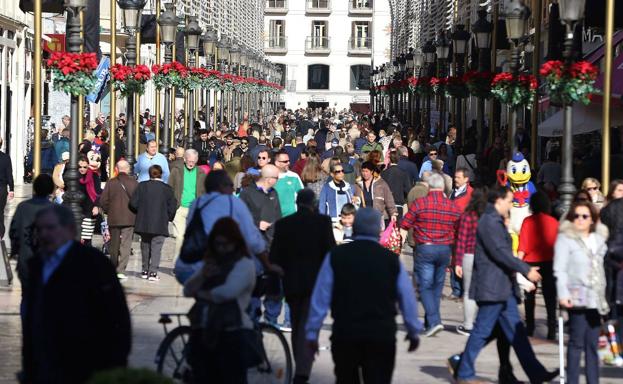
<point x="343" y="230"/>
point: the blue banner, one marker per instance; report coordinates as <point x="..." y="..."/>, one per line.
<point x="102" y="73"/>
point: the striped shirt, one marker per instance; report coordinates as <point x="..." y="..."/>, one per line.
<point x="433" y="219"/>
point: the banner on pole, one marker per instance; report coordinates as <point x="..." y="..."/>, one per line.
<point x="102" y="73"/>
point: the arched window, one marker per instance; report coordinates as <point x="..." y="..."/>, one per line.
<point x="359" y="77"/>
<point x="318" y="76"/>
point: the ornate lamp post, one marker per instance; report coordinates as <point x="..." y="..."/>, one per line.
<point x="402" y="69"/>
<point x="168" y="30"/>
<point x="429" y="58"/>
<point x="395" y="76"/>
<point x="209" y="50"/>
<point x="73" y="196"/>
<point x="234" y="54"/>
<point x="381" y="81"/>
<point x="460" y="38"/>
<point x="132" y="10"/>
<point x="418" y="62"/>
<point x="516" y="16"/>
<point x="192" y="32"/>
<point x="482" y="31"/>
<point x="410" y="65"/>
<point x="571" y="11"/>
<point x="223" y="56"/>
<point x="244" y="98"/>
<point x="443" y="51"/>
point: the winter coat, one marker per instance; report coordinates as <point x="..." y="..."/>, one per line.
<point x="462" y="199"/>
<point x="155" y="205"/>
<point x="115" y="200"/>
<point x="574" y="265"/>
<point x="399" y="183"/>
<point x="495" y="265"/>
<point x="327" y="200"/>
<point x="382" y="198"/>
<point x="176" y="181"/>
<point x="62" y="145"/>
<point x="612" y="217"/>
<point x="264" y="206"/>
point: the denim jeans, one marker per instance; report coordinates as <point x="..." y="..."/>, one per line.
<point x="430" y="266"/>
<point x="584" y="327"/>
<point x="507" y="316"/>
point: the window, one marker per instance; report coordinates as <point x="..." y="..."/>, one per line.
<point x="319" y="34"/>
<point x="359" y="4"/>
<point x="277" y="34"/>
<point x="275" y="3"/>
<point x="360" y="35"/>
<point x="318" y="76"/>
<point x="359" y="77"/>
<point x="284" y="74"/>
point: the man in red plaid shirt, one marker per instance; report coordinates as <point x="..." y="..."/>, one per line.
<point x="433" y="219"/>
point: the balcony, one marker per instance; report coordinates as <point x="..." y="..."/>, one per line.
<point x="360" y="8"/>
<point x="276" y="45"/>
<point x="276" y="7"/>
<point x="360" y="46"/>
<point x="318" y="7"/>
<point x="317" y="45"/>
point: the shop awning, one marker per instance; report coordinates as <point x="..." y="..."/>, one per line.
<point x="586" y="119"/>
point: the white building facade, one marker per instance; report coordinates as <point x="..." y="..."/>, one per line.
<point x="327" y="49"/>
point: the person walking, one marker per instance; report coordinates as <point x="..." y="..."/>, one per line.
<point x="336" y="193"/>
<point x="62" y="144"/>
<point x="288" y="185"/>
<point x="300" y="261"/>
<point x="68" y="278"/>
<point x="188" y="184"/>
<point x="495" y="289"/>
<point x="223" y="286"/>
<point x="398" y="181"/>
<point x="7" y="188"/>
<point x="91" y="187"/>
<point x="363" y="284"/>
<point x="20" y="230"/>
<point x="433" y="219"/>
<point x="375" y="193"/>
<point x="115" y="200"/>
<point x="581" y="285"/>
<point x="150" y="157"/>
<point x="536" y="247"/>
<point x="462" y="192"/>
<point x="155" y="205"/>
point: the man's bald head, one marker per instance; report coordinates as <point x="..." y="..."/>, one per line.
<point x="269" y="171"/>
<point x="123" y="166"/>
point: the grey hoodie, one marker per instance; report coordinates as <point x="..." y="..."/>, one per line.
<point x="574" y="265"/>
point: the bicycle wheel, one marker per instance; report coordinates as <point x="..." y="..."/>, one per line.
<point x="171" y="356"/>
<point x="277" y="365"/>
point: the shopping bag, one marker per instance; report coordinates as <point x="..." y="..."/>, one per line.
<point x="391" y="239"/>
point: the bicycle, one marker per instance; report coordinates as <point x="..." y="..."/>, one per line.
<point x="275" y="368"/>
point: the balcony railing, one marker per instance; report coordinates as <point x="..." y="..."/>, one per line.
<point x="276" y="44"/>
<point x="317" y="44"/>
<point x="360" y="46"/>
<point x="360" y="7"/>
<point x="318" y="6"/>
<point x="276" y="6"/>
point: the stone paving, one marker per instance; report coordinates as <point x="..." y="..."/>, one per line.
<point x="148" y="299"/>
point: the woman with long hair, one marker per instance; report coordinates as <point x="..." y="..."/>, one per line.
<point x="223" y="289"/>
<point x="581" y="286"/>
<point x="91" y="187"/>
<point x="312" y="175"/>
<point x="592" y="186"/>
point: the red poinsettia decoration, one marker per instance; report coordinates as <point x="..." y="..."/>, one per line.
<point x="128" y="80"/>
<point x="420" y="85"/>
<point x="73" y="72"/>
<point x="439" y="84"/>
<point x="567" y="84"/>
<point x="478" y="83"/>
<point x="514" y="90"/>
<point x="455" y="87"/>
<point x="173" y="74"/>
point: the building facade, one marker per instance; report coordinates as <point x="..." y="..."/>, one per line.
<point x="326" y="49"/>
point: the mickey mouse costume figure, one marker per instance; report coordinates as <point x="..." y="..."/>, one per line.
<point x="517" y="178"/>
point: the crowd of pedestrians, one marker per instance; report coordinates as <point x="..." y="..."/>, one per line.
<point x="290" y="210"/>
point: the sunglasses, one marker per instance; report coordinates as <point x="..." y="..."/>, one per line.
<point x="262" y="158"/>
<point x="592" y="188"/>
<point x="338" y="171"/>
<point x="83" y="167"/>
<point x="283" y="161"/>
<point x="244" y="142"/>
<point x="432" y="154"/>
<point x="583" y="216"/>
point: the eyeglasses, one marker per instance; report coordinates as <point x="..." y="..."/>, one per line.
<point x="592" y="188"/>
<point x="338" y="171"/>
<point x="582" y="216"/>
<point x="432" y="154"/>
<point x="262" y="158"/>
<point x="283" y="161"/>
<point x="86" y="167"/>
<point x="244" y="142"/>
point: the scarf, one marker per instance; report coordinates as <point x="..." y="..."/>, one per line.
<point x="597" y="279"/>
<point x="340" y="187"/>
<point x="89" y="184"/>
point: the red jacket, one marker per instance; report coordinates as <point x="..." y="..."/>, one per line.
<point x="462" y="199"/>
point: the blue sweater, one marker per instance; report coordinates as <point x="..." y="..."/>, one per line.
<point x="141" y="168"/>
<point x="327" y="201"/>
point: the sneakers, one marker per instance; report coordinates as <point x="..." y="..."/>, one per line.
<point x="144" y="275"/>
<point x="153" y="277"/>
<point x="461" y="330"/>
<point x="121" y="276"/>
<point x="430" y="332"/>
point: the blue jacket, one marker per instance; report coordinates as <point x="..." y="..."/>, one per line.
<point x="61" y="145"/>
<point x="327" y="201"/>
<point x="141" y="168"/>
<point x="495" y="267"/>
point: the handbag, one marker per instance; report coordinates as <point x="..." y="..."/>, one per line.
<point x="195" y="237"/>
<point x="391" y="239"/>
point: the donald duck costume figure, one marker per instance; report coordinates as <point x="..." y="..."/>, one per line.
<point x="517" y="178"/>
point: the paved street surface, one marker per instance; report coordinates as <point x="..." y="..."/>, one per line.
<point x="148" y="299"/>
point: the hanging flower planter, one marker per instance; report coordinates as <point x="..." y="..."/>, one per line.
<point x="420" y="85"/>
<point x="568" y="84"/>
<point x="439" y="85"/>
<point x="478" y="83"/>
<point x="128" y="80"/>
<point x="455" y="87"/>
<point x="73" y="72"/>
<point x="515" y="91"/>
<point x="173" y="74"/>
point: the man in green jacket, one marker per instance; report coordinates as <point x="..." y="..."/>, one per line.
<point x="288" y="184"/>
<point x="371" y="145"/>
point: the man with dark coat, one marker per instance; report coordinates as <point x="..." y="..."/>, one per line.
<point x="6" y="184"/>
<point x="115" y="201"/>
<point x="301" y="259"/>
<point x="495" y="289"/>
<point x="398" y="181"/>
<point x="75" y="317"/>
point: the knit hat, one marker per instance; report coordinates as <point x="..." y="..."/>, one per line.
<point x="367" y="222"/>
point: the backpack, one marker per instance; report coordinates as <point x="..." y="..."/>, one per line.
<point x="195" y="237"/>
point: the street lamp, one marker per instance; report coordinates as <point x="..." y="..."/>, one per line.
<point x="516" y="16"/>
<point x="482" y="31"/>
<point x="168" y="31"/>
<point x="73" y="196"/>
<point x="132" y="10"/>
<point x="442" y="48"/>
<point x="418" y="62"/>
<point x="571" y="11"/>
<point x="429" y="58"/>
<point x="192" y="32"/>
<point x="209" y="50"/>
<point x="222" y="48"/>
<point x="410" y="67"/>
<point x="234" y="55"/>
<point x="460" y="39"/>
